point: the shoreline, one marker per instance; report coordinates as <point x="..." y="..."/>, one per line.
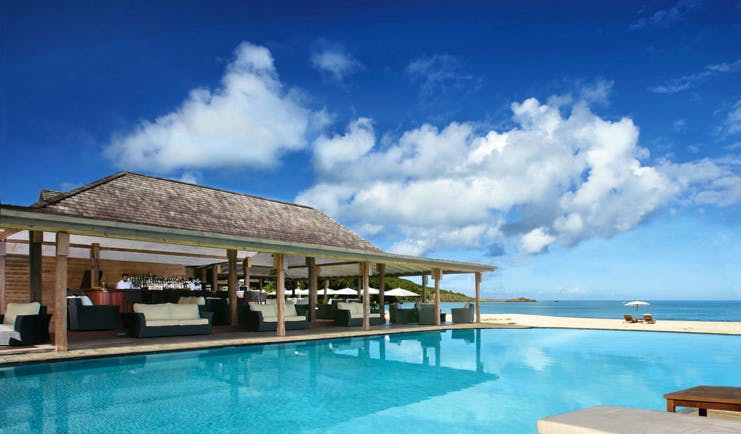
<point x="677" y="326"/>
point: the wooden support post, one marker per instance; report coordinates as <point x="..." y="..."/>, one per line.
<point x="424" y="288"/>
<point x="364" y="271"/>
<point x="204" y="277"/>
<point x="94" y="265"/>
<point x="246" y="269"/>
<point x="313" y="284"/>
<point x="3" y="252"/>
<point x="437" y="275"/>
<point x="60" y="293"/>
<point x="478" y="297"/>
<point x="215" y="277"/>
<point x="326" y="286"/>
<point x="381" y="270"/>
<point x="231" y="256"/>
<point x="260" y="283"/>
<point x="280" y="282"/>
<point x="36" y="240"/>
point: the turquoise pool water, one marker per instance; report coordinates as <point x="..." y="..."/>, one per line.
<point x="497" y="381"/>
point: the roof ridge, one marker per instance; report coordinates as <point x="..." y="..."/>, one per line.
<point x="65" y="195"/>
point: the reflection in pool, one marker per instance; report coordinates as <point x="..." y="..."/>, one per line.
<point x="457" y="380"/>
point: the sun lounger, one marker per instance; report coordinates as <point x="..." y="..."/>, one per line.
<point x="629" y="318"/>
<point x="648" y="318"/>
<point x="620" y="420"/>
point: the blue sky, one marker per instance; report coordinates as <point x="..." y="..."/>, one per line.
<point x="589" y="150"/>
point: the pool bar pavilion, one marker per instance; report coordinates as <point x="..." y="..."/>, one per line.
<point x="83" y="240"/>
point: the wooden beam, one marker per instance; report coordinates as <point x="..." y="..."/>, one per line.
<point x="94" y="265"/>
<point x="424" y="288"/>
<point x="3" y="252"/>
<point x="247" y="271"/>
<point x="15" y="217"/>
<point x="364" y="271"/>
<point x="127" y="250"/>
<point x="328" y="264"/>
<point x="478" y="297"/>
<point x="326" y="286"/>
<point x="60" y="293"/>
<point x="215" y="277"/>
<point x="437" y="275"/>
<point x="280" y="282"/>
<point x="34" y="264"/>
<point x="232" y="259"/>
<point x="6" y="233"/>
<point x="313" y="285"/>
<point x="381" y="270"/>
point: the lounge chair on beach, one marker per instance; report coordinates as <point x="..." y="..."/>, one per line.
<point x="629" y="318"/>
<point x="648" y="318"/>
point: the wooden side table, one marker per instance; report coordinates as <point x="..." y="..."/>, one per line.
<point x="704" y="398"/>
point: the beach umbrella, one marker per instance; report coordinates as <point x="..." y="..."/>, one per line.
<point x="330" y="291"/>
<point x="636" y="304"/>
<point x="371" y="291"/>
<point x="401" y="292"/>
<point x="346" y="291"/>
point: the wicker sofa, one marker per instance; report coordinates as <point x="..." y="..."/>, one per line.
<point x="169" y="319"/>
<point x="82" y="315"/>
<point x="24" y="324"/>
<point x="463" y="314"/>
<point x="351" y="314"/>
<point x="264" y="317"/>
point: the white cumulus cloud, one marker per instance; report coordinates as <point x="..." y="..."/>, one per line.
<point x="249" y="120"/>
<point x="553" y="178"/>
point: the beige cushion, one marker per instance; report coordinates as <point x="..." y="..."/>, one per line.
<point x="266" y="309"/>
<point x="161" y="322"/>
<point x="294" y="318"/>
<point x="198" y="321"/>
<point x="606" y="419"/>
<point x="290" y="310"/>
<point x="356" y="310"/>
<point x="183" y="311"/>
<point x="374" y="315"/>
<point x="153" y="311"/>
<point x="269" y="318"/>
<point x="15" y="309"/>
<point x="192" y="300"/>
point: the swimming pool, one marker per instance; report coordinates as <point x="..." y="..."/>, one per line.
<point x="450" y="381"/>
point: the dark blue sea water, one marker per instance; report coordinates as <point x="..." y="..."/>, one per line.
<point x="661" y="309"/>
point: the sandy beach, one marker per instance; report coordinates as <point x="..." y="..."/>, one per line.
<point x="726" y="328"/>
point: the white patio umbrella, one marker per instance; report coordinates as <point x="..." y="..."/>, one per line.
<point x="302" y="292"/>
<point x="371" y="291"/>
<point x="401" y="292"/>
<point x="636" y="304"/>
<point x="330" y="291"/>
<point x="346" y="291"/>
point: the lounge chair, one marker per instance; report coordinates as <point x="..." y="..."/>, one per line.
<point x="463" y="314"/>
<point x="399" y="315"/>
<point x="629" y="318"/>
<point x="169" y="319"/>
<point x="606" y="419"/>
<point x="24" y="324"/>
<point x="83" y="315"/>
<point x="264" y="317"/>
<point x="427" y="314"/>
<point x="648" y="318"/>
<point x="351" y="314"/>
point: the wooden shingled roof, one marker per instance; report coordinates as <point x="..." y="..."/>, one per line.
<point x="135" y="198"/>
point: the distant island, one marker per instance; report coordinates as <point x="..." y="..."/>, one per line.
<point x="508" y="300"/>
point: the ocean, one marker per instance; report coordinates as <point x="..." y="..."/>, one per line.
<point x="690" y="310"/>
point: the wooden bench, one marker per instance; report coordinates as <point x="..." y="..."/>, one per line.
<point x="704" y="398"/>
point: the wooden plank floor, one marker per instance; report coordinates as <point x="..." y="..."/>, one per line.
<point x="107" y="343"/>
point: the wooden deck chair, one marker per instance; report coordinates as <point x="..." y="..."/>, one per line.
<point x="648" y="318"/>
<point x="629" y="318"/>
